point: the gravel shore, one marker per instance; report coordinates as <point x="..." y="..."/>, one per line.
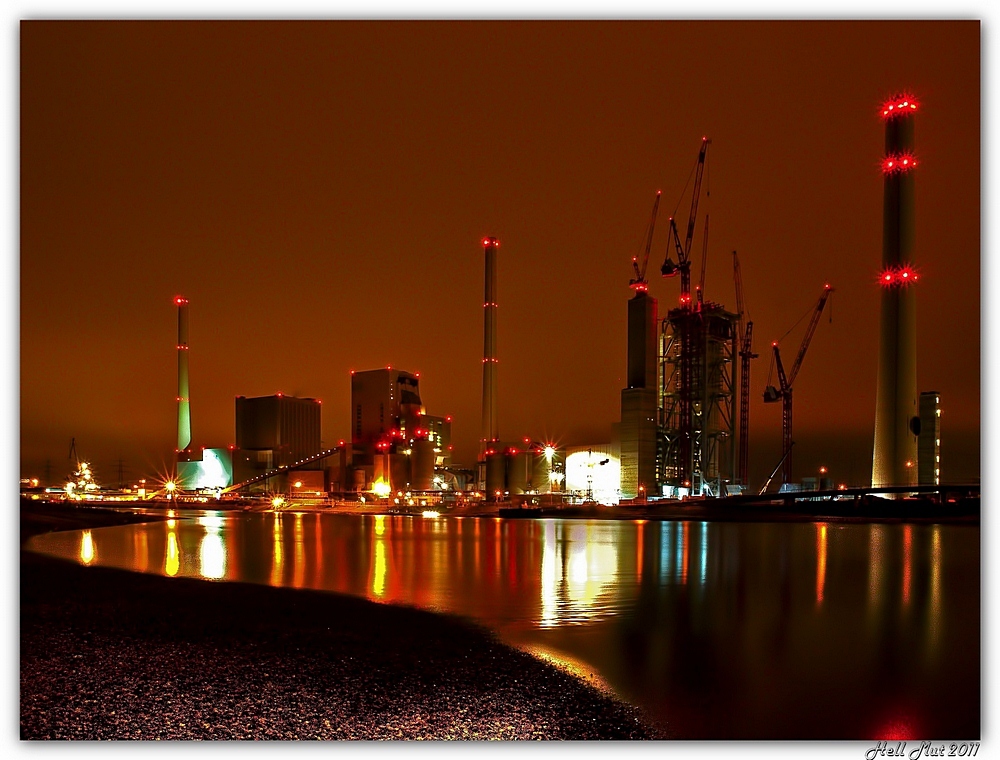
<point x="108" y="654"/>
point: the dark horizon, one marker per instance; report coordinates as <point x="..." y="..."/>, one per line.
<point x="319" y="191"/>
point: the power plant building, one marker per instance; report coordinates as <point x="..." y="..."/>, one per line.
<point x="929" y="440"/>
<point x="395" y="445"/>
<point x="698" y="379"/>
<point x="638" y="430"/>
<point x="276" y="431"/>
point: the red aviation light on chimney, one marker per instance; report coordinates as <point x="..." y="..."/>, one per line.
<point x="180" y="300"/>
<point x="901" y="162"/>
<point x="900" y="105"/>
<point x="900" y="276"/>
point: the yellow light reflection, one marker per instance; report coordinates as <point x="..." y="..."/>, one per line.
<point x="276" y="558"/>
<point x="379" y="525"/>
<point x="820" y="563"/>
<point x="87" y="550"/>
<point x="935" y="611"/>
<point x="299" y="574"/>
<point x="141" y="549"/>
<point x="172" y="562"/>
<point x="876" y="556"/>
<point x="378" y="575"/>
<point x="640" y="527"/>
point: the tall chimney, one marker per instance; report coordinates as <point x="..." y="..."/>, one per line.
<point x="489" y="427"/>
<point x="897" y="415"/>
<point x="183" y="390"/>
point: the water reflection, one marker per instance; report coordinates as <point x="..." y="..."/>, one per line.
<point x="87" y="552"/>
<point x="820" y="562"/>
<point x="212" y="551"/>
<point x="721" y="629"/>
<point x="171" y="561"/>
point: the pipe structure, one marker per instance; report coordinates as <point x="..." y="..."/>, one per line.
<point x="183" y="388"/>
<point x="897" y="415"/>
<point x="489" y="427"/>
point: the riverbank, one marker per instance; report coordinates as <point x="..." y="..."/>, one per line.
<point x="108" y="654"/>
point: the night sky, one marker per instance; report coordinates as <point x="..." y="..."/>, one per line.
<point x="318" y="191"/>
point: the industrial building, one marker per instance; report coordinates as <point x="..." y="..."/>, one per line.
<point x="395" y="445"/>
<point x="274" y="432"/>
<point x="697" y="423"/>
<point x="929" y="440"/>
<point x="677" y="431"/>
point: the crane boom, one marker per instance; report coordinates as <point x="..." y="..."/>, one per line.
<point x="704" y="263"/>
<point x="699" y="172"/>
<point x="738" y="277"/>
<point x="683" y="265"/>
<point x="640" y="282"/>
<point x="827" y="290"/>
<point x="772" y="394"/>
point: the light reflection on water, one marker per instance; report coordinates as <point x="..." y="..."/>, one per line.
<point x="721" y="629"/>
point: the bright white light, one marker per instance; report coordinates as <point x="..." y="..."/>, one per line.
<point x="381" y="489"/>
<point x="429" y="512"/>
<point x="584" y="469"/>
<point x="212" y="556"/>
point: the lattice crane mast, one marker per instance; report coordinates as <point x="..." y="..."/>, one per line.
<point x="744" y="334"/>
<point x="683" y="251"/>
<point x="639" y="282"/>
<point x="784" y="391"/>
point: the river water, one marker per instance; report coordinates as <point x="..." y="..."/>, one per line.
<point x="721" y="630"/>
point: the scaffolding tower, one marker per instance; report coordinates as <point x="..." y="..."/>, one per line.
<point x="696" y="432"/>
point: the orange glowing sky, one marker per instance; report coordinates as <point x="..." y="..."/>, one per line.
<point x="318" y="191"/>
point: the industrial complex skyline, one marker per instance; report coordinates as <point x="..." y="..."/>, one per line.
<point x="320" y="193"/>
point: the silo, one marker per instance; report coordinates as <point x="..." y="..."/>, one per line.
<point x="421" y="465"/>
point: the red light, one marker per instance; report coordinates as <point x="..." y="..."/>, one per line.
<point x="774" y="345"/>
<point x="340" y="443"/>
<point x="899" y="104"/>
<point x="898" y="163"/>
<point x="280" y="394"/>
<point x="898" y="276"/>
<point x="447" y="419"/>
<point x="232" y="447"/>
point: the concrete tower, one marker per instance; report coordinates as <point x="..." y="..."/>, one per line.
<point x="897" y="420"/>
<point x="490" y="431"/>
<point x="183" y="389"/>
<point x="638" y="400"/>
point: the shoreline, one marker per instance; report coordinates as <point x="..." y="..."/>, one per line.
<point x="965" y="512"/>
<point x="112" y="654"/>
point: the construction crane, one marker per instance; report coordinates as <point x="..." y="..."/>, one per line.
<point x="704" y="265"/>
<point x="744" y="334"/>
<point x="639" y="283"/>
<point x="784" y="391"/>
<point x="683" y="265"/>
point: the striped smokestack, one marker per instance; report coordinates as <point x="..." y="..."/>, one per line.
<point x="183" y="389"/>
<point x="897" y="416"/>
<point x="489" y="427"/>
